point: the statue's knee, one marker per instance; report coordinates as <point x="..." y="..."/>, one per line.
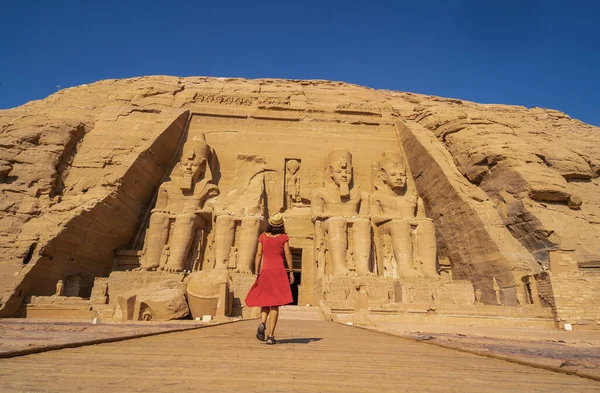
<point x="363" y="225"/>
<point x="251" y="222"/>
<point x="336" y="223"/>
<point x="158" y="218"/>
<point x="400" y="225"/>
<point x="224" y="223"/>
<point x="185" y="220"/>
<point x="224" y="219"/>
<point x="426" y="227"/>
<point x="187" y="216"/>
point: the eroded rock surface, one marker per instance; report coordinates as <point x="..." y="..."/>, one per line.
<point x="504" y="185"/>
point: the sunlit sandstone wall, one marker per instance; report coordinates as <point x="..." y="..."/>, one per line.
<point x="575" y="289"/>
<point x="577" y="297"/>
<point x="97" y="205"/>
<point x="278" y="140"/>
<point x="469" y="230"/>
<point x="277" y="137"/>
<point x="518" y="178"/>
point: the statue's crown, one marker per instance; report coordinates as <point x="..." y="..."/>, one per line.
<point x="390" y="157"/>
<point x="341" y="156"/>
<point x="198" y="145"/>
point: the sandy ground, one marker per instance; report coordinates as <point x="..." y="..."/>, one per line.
<point x="576" y="352"/>
<point x="311" y="356"/>
<point x="25" y="334"/>
<point x="572" y="351"/>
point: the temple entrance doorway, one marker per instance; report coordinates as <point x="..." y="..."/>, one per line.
<point x="297" y="269"/>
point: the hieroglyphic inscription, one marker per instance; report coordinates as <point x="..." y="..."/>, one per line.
<point x="225" y="100"/>
<point x="350" y="106"/>
<point x="274" y="101"/>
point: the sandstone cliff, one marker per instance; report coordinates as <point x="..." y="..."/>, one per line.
<point x="78" y="170"/>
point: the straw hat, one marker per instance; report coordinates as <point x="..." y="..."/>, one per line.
<point x="276" y="220"/>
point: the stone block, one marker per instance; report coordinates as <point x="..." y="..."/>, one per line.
<point x="424" y="291"/>
<point x="208" y="293"/>
<point x="241" y="284"/>
<point x="341" y="291"/>
<point x="126" y="260"/>
<point x="160" y="301"/>
<point x="121" y="282"/>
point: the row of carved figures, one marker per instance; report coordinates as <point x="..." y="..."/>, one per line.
<point x="347" y="220"/>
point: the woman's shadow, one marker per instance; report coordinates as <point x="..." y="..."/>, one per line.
<point x="298" y="340"/>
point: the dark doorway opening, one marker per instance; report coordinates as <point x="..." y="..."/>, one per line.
<point x="297" y="268"/>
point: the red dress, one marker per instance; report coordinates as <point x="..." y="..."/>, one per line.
<point x="272" y="287"/>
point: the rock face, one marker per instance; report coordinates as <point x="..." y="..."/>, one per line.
<point x="81" y="172"/>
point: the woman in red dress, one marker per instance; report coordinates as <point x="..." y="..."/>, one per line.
<point x="272" y="286"/>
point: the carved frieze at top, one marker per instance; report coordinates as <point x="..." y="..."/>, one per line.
<point x="352" y="108"/>
<point x="217" y="99"/>
<point x="274" y="101"/>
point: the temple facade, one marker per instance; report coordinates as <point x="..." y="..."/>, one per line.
<point x="397" y="206"/>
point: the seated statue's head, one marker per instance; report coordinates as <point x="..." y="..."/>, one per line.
<point x="193" y="161"/>
<point x="392" y="172"/>
<point x="339" y="168"/>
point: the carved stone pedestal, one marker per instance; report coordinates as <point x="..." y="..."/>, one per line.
<point x="156" y="302"/>
<point x="242" y="282"/>
<point x="59" y="307"/>
<point x="143" y="295"/>
<point x="209" y="293"/>
<point x="425" y="291"/>
<point x="124" y="260"/>
<point x="371" y="293"/>
<point x="351" y="292"/>
<point x="121" y="282"/>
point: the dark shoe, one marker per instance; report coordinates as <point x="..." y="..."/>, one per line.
<point x="271" y="340"/>
<point x="260" y="332"/>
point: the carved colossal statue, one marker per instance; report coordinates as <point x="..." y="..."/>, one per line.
<point x="182" y="201"/>
<point x="340" y="207"/>
<point x="400" y="215"/>
<point x="239" y="215"/>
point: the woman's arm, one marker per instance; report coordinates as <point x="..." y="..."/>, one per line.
<point x="258" y="258"/>
<point x="288" y="260"/>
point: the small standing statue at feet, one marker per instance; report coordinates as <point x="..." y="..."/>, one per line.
<point x="60" y="288"/>
<point x="272" y="286"/>
<point x="164" y="258"/>
<point x="335" y="207"/>
<point x="292" y="183"/>
<point x="496" y="291"/>
<point x="402" y="216"/>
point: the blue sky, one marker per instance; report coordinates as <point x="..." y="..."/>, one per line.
<point x="528" y="52"/>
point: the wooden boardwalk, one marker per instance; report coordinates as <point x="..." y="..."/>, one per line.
<point x="312" y="356"/>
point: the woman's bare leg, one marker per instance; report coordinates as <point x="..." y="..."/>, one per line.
<point x="274" y="314"/>
<point x="260" y="331"/>
<point x="264" y="312"/>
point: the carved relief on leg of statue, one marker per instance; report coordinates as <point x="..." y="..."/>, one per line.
<point x="156" y="238"/>
<point x="319" y="248"/>
<point x="426" y="248"/>
<point x="399" y="231"/>
<point x="337" y="234"/>
<point x="224" y="236"/>
<point x="362" y="245"/>
<point x="181" y="242"/>
<point x="382" y="253"/>
<point x="249" y="231"/>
